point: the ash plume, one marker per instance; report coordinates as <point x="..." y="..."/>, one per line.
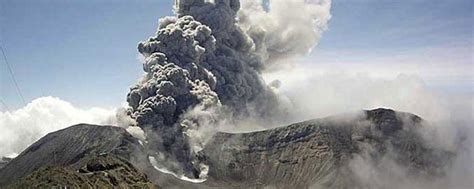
<point x="205" y="63"/>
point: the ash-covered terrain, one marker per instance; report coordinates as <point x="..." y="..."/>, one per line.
<point x="203" y="73"/>
<point x="319" y="153"/>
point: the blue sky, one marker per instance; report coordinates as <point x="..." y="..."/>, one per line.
<point x="85" y="51"/>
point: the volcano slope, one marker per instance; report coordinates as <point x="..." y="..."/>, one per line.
<point x="80" y="156"/>
<point x="318" y="153"/>
<point x="312" y="154"/>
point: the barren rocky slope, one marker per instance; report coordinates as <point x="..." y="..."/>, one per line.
<point x="317" y="152"/>
<point x="314" y="153"/>
<point x="103" y="171"/>
<point x="69" y="148"/>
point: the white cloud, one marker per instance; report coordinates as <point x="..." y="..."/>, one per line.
<point x="318" y="92"/>
<point x="22" y="127"/>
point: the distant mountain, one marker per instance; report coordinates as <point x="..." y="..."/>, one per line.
<point x="312" y="153"/>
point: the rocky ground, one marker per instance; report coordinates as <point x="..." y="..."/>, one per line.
<point x="315" y="153"/>
<point x="4" y="161"/>
<point x="104" y="171"/>
<point x="74" y="153"/>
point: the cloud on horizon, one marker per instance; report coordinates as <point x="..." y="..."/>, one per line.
<point x="22" y="127"/>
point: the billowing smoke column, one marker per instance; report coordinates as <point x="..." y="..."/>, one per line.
<point x="284" y="29"/>
<point x="202" y="66"/>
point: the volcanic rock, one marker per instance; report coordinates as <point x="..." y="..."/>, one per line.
<point x="104" y="171"/>
<point x="314" y="153"/>
<point x="69" y="148"/>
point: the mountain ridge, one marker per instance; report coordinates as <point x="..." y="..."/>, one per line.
<point x="306" y="154"/>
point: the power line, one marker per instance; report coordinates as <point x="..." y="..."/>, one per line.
<point x="4" y="104"/>
<point x="12" y="74"/>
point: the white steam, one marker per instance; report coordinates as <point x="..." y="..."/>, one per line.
<point x="284" y="29"/>
<point x="319" y="94"/>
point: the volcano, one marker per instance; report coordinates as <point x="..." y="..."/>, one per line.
<point x="316" y="153"/>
